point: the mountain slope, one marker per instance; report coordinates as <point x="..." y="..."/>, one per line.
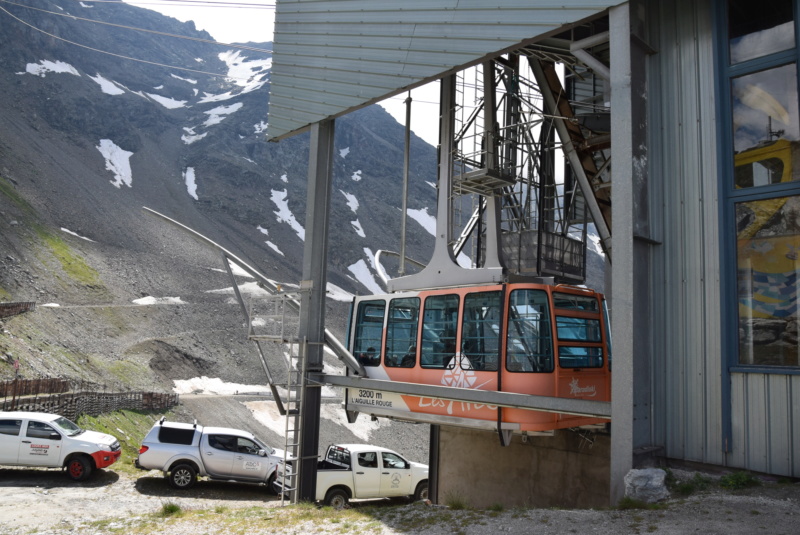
<point x="88" y="138"/>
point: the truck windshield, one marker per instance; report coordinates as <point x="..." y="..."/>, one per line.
<point x="70" y="429"/>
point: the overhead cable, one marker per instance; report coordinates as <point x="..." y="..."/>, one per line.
<point x="118" y="55"/>
<point x="209" y="41"/>
<point x="188" y="3"/>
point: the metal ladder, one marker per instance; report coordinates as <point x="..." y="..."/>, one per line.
<point x="275" y="318"/>
<point x="295" y="387"/>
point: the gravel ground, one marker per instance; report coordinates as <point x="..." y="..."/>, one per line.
<point x="46" y="502"/>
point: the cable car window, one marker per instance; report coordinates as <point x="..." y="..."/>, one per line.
<point x="575" y="302"/>
<point x="369" y="332"/>
<point x="439" y="323"/>
<point x="578" y="329"/>
<point x="529" y="347"/>
<point x="480" y="330"/>
<point x="580" y="357"/>
<point x="401" y="333"/>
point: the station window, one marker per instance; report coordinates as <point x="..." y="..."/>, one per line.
<point x="762" y="178"/>
<point x="439" y="323"/>
<point x="480" y="330"/>
<point x="369" y="332"/>
<point x="529" y="347"/>
<point x="401" y="333"/>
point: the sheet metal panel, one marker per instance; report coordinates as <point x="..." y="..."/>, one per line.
<point x="408" y="42"/>
<point x="686" y="393"/>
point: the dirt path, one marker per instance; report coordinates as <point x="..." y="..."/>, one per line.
<point x="35" y="500"/>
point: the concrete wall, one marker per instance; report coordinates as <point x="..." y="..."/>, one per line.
<point x="565" y="470"/>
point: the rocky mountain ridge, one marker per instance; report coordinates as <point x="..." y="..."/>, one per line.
<point x="88" y="138"/>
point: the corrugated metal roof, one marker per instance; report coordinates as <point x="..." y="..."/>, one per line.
<point x="331" y="57"/>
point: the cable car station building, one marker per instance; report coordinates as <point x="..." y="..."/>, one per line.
<point x="670" y="130"/>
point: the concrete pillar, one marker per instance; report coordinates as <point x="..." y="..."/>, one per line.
<point x="312" y="306"/>
<point x="568" y="469"/>
<point x="630" y="404"/>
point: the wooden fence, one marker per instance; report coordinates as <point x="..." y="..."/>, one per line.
<point x="30" y="387"/>
<point x="12" y="309"/>
<point x="79" y="400"/>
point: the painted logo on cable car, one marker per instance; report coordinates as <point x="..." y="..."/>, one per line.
<point x="575" y="389"/>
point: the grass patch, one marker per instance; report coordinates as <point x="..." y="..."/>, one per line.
<point x="170" y="509"/>
<point x="739" y="480"/>
<point x="74" y="266"/>
<point x="628" y="503"/>
<point x="455" y="501"/>
<point x="129" y="427"/>
<point x="697" y="483"/>
<point x="8" y="190"/>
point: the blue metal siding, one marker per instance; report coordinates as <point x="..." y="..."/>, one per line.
<point x="383" y="47"/>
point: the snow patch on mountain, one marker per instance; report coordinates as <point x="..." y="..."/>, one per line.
<point x="218" y="114"/>
<point x="191" y="184"/>
<point x="44" y="66"/>
<point x="150" y="300"/>
<point x="76" y="234"/>
<point x="192" y="136"/>
<point x="352" y="202"/>
<point x="250" y="75"/>
<point x="169" y="103"/>
<point x="117" y="161"/>
<point x="107" y="86"/>
<point x="189" y="80"/>
<point x="284" y="214"/>
<point x="422" y="217"/>
<point x="357" y="226"/>
<point x="362" y="274"/>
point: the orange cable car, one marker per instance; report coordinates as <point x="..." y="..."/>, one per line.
<point x="520" y="337"/>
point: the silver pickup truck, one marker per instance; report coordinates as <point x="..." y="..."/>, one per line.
<point x="185" y="451"/>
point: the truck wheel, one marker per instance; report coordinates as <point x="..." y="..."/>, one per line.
<point x="422" y="491"/>
<point x="336" y="498"/>
<point x="79" y="468"/>
<point x="270" y="486"/>
<point x="182" y="477"/>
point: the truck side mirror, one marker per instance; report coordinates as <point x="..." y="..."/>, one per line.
<point x="54" y="436"/>
<point x="262" y="453"/>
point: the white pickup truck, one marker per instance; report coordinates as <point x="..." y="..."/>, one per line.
<point x="49" y="440"/>
<point x="356" y="471"/>
<point x="185" y="451"/>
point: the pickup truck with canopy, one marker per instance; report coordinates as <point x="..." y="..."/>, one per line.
<point x="185" y="451"/>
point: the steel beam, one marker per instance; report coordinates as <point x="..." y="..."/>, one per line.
<point x="312" y="306"/>
<point x="580" y="407"/>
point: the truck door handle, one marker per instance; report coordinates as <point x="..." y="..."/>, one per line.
<point x="26" y="441"/>
<point x="209" y="453"/>
<point x="360" y="473"/>
<point x="385" y="473"/>
<point x="239" y="457"/>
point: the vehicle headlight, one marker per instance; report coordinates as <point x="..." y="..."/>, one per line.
<point x="104" y="447"/>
